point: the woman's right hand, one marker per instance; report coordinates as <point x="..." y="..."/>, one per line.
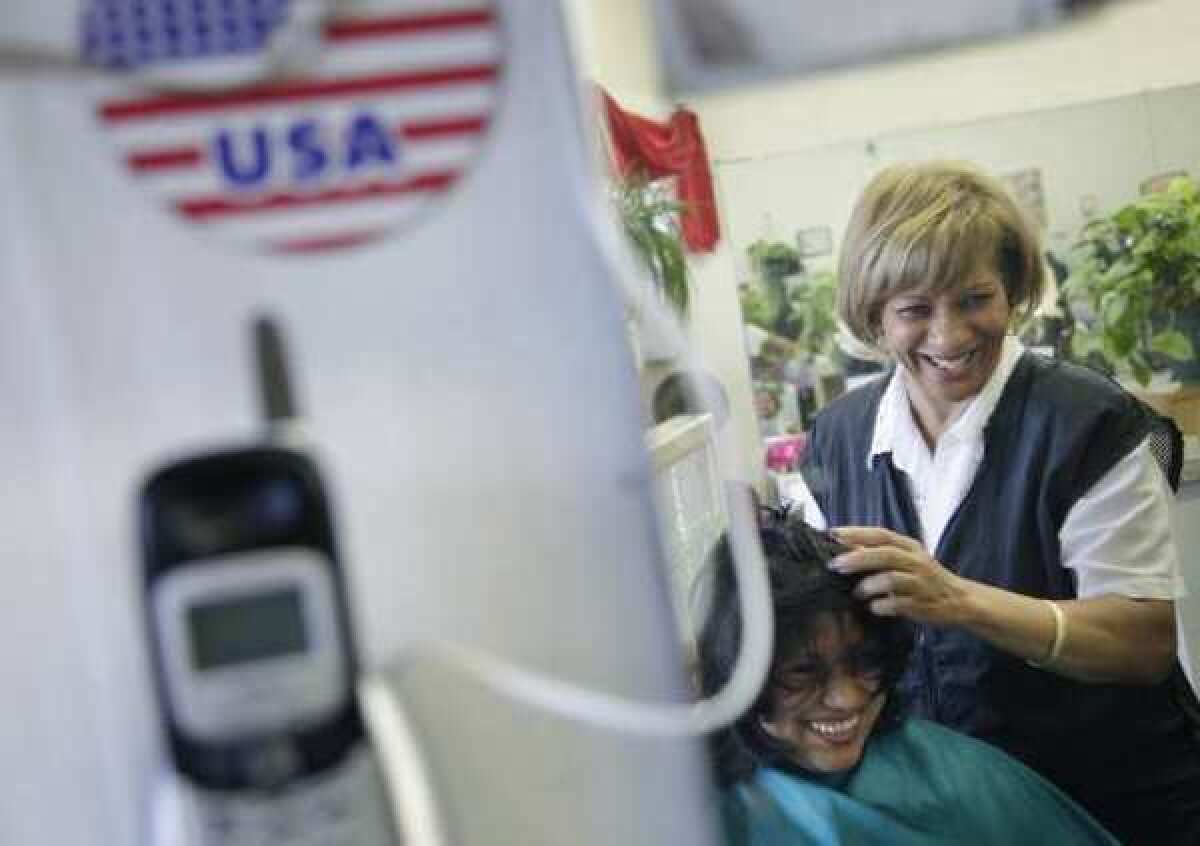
<point x="1104" y="639"/>
<point x="900" y="578"/>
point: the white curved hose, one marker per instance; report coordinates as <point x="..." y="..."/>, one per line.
<point x="575" y="702"/>
<point x="409" y="784"/>
<point x="406" y="768"/>
<point x="408" y="778"/>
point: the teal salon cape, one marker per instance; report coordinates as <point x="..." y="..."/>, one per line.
<point x="919" y="784"/>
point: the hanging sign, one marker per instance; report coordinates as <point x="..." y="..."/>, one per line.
<point x="389" y="115"/>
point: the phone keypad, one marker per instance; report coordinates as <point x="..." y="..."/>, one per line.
<point x="345" y="807"/>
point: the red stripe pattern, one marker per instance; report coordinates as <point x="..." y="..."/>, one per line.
<point x="165" y="158"/>
<point x="325" y="243"/>
<point x="443" y="128"/>
<point x="409" y="25"/>
<point x="262" y="95"/>
<point x="203" y="208"/>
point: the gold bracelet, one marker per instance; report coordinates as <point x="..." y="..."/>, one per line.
<point x="1060" y="636"/>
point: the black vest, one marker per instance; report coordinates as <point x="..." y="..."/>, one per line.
<point x="1057" y="429"/>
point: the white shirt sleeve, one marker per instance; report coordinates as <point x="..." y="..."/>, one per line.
<point x="794" y="493"/>
<point x="1117" y="537"/>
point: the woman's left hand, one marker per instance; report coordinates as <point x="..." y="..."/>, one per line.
<point x="899" y="577"/>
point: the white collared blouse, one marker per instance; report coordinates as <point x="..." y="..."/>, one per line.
<point x="1116" y="538"/>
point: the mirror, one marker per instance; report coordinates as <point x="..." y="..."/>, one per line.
<point x="784" y="214"/>
<point x="1066" y="165"/>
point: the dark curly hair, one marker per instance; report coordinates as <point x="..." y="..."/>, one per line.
<point x="802" y="588"/>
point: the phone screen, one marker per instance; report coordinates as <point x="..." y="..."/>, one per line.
<point x="234" y="631"/>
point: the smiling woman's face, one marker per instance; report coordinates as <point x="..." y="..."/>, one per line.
<point x="826" y="696"/>
<point x="948" y="342"/>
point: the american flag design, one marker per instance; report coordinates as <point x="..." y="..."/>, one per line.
<point x="388" y="121"/>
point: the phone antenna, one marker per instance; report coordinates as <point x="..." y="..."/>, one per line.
<point x="276" y="400"/>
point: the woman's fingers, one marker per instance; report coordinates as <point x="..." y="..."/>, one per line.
<point x="870" y="559"/>
<point x="891" y="605"/>
<point x="890" y="583"/>
<point x="877" y="584"/>
<point x="872" y="536"/>
<point x="899" y="578"/>
<point x="888" y="594"/>
<point x="893" y="593"/>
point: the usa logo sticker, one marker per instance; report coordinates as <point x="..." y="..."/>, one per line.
<point x="391" y="116"/>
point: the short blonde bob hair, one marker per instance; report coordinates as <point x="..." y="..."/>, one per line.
<point x="932" y="226"/>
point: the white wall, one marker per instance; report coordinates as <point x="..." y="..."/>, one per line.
<point x="1090" y="156"/>
<point x="615" y="46"/>
<point x="1121" y="49"/>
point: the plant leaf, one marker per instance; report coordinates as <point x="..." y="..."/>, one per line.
<point x="1140" y="371"/>
<point x="1083" y="343"/>
<point x="1174" y="344"/>
<point x="1113" y="306"/>
<point x="650" y="221"/>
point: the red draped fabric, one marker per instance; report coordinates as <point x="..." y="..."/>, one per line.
<point x="675" y="148"/>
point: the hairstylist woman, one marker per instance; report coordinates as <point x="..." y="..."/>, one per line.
<point x="1006" y="504"/>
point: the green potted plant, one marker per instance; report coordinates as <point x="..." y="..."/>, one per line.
<point x="651" y="223"/>
<point x="811" y="320"/>
<point x="792" y="305"/>
<point x="1137" y="274"/>
<point x="791" y="315"/>
<point x="774" y="259"/>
